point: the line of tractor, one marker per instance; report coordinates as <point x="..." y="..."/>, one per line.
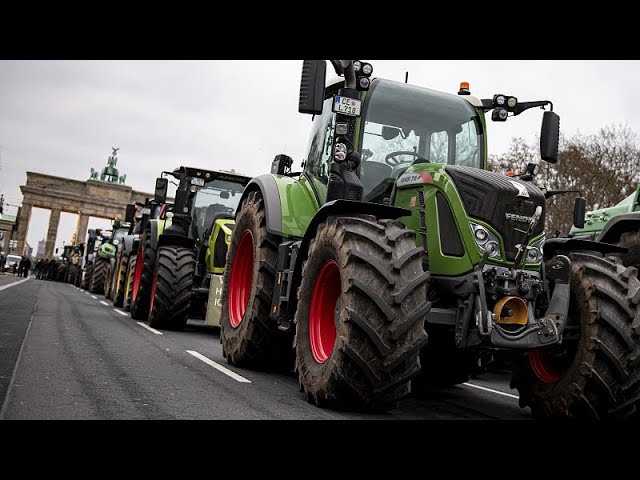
<point x="392" y="261"/>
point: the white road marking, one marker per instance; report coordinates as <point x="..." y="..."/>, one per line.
<point x="121" y="312"/>
<point x="220" y="368"/>
<point x="497" y="392"/>
<point x="104" y="303"/>
<point x="93" y="296"/>
<point x="86" y="293"/>
<point x="149" y="328"/>
<point x="13" y="284"/>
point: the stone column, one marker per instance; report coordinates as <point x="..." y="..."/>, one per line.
<point x="81" y="228"/>
<point x="24" y="216"/>
<point x="5" y="242"/>
<point x="52" y="233"/>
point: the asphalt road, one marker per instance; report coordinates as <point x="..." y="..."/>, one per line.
<point x="66" y="354"/>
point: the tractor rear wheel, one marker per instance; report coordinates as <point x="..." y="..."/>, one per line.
<point x="249" y="338"/>
<point x="128" y="289"/>
<point x="361" y="314"/>
<point x="73" y="273"/>
<point x="121" y="280"/>
<point x="108" y="276"/>
<point x="97" y="278"/>
<point x="143" y="278"/>
<point x="86" y="278"/>
<point x="171" y="288"/>
<point x="595" y="372"/>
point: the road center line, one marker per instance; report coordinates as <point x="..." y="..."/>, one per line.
<point x="13" y="284"/>
<point x="219" y="367"/>
<point x="87" y="293"/>
<point x="93" y="296"/>
<point x="121" y="312"/>
<point x="149" y="328"/>
<point x="497" y="392"/>
<point x="104" y="303"/>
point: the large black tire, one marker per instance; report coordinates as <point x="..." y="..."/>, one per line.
<point x="173" y="281"/>
<point x="140" y="306"/>
<point x="131" y="269"/>
<point x="108" y="280"/>
<point x="72" y="273"/>
<point x="121" y="280"/>
<point x="594" y="373"/>
<point x="253" y="340"/>
<point x="86" y="278"/>
<point x="376" y="314"/>
<point x="442" y="363"/>
<point x="97" y="278"/>
<point x="630" y="241"/>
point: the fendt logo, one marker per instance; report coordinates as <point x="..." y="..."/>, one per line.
<point x="517" y="218"/>
<point x="414" y="179"/>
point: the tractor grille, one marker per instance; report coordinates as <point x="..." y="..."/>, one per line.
<point x="490" y="197"/>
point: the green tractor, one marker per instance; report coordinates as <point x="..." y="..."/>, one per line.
<point x="186" y="247"/>
<point x="618" y="225"/>
<point x="395" y="256"/>
<point x="105" y="252"/>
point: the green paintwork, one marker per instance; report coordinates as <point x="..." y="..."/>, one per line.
<point x="596" y="220"/>
<point x="439" y="263"/>
<point x="298" y="202"/>
<point x="107" y="250"/>
<point x="223" y="226"/>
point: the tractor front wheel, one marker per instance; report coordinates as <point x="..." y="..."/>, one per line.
<point x="128" y="289"/>
<point x="121" y="279"/>
<point x="98" y="275"/>
<point x="361" y="314"/>
<point x="143" y="278"/>
<point x="171" y="288"/>
<point x="595" y="372"/>
<point x="86" y="278"/>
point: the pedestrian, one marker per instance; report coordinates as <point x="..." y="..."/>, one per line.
<point x="27" y="267"/>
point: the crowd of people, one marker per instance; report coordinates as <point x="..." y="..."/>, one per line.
<point x="44" y="269"/>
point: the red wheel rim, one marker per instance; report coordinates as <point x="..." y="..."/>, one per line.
<point x="542" y="368"/>
<point x="153" y="290"/>
<point x="137" y="274"/>
<point x="322" y="325"/>
<point x="241" y="279"/>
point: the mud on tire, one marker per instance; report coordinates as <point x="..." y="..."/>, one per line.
<point x="249" y="338"/>
<point x="595" y="372"/>
<point x="377" y="312"/>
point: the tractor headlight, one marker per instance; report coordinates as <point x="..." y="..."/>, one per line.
<point x="367" y="69"/>
<point x="485" y="240"/>
<point x="499" y="100"/>
<point x="193" y="189"/>
<point x="116" y="242"/>
<point x="357" y="65"/>
<point x="535" y="251"/>
<point x="364" y="82"/>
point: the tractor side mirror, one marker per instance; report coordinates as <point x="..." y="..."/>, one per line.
<point x="312" y="86"/>
<point x="162" y="185"/>
<point x="130" y="214"/>
<point x="550" y="137"/>
<point x="579" y="211"/>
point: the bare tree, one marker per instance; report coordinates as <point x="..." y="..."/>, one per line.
<point x="604" y="166"/>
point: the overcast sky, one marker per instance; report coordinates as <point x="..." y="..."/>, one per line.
<point x="63" y="117"/>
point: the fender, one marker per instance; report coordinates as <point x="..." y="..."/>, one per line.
<point x="224" y="227"/>
<point x="128" y="243"/>
<point x="267" y="186"/>
<point x="618" y="225"/>
<point x="566" y="245"/>
<point x="341" y="208"/>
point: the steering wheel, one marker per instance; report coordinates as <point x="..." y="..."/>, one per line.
<point x="393" y="161"/>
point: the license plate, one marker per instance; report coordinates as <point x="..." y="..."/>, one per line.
<point x="197" y="181"/>
<point x="346" y="106"/>
<point x="146" y="211"/>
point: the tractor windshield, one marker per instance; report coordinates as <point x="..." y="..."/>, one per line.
<point x="217" y="199"/>
<point x="403" y="124"/>
<point x="121" y="233"/>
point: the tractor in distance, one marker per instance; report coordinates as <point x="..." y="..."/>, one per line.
<point x="395" y="255"/>
<point x="115" y="277"/>
<point x="618" y="225"/>
<point x="95" y="237"/>
<point x="72" y="256"/>
<point x="104" y="257"/>
<point x="174" y="278"/>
